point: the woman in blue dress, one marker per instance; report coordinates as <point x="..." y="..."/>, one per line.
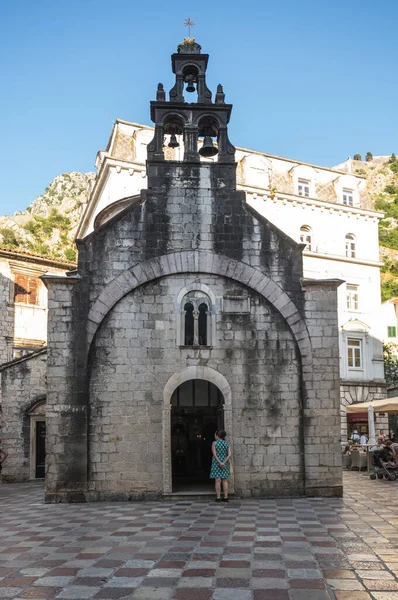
<point x="220" y="464"/>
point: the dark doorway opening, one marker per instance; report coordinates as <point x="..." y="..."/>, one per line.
<point x="197" y="412"/>
<point x="40" y="468"/>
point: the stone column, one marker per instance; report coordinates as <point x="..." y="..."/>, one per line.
<point x="321" y="391"/>
<point x="196" y="328"/>
<point x="229" y="429"/>
<point x="66" y="411"/>
<point x="166" y="435"/>
<point x="191" y="144"/>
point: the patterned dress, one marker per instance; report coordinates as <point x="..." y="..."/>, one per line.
<point x="216" y="471"/>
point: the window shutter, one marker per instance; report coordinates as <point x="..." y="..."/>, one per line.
<point x="20" y="288"/>
<point x="33" y="291"/>
<point x="26" y="290"/>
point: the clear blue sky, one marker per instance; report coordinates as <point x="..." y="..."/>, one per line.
<point x="312" y="80"/>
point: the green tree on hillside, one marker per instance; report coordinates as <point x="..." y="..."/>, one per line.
<point x="9" y="238"/>
<point x="390" y="352"/>
<point x="42" y="228"/>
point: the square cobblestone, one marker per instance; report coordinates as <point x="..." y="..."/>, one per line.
<point x="251" y="549"/>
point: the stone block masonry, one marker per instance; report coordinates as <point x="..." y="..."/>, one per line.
<point x="255" y="352"/>
<point x="22" y="387"/>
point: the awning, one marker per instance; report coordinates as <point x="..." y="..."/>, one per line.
<point x="386" y="405"/>
<point x="357" y="417"/>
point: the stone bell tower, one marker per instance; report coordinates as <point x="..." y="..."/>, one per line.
<point x="201" y="119"/>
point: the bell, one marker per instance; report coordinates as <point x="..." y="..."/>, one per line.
<point x="208" y="149"/>
<point x="173" y="143"/>
<point x="190" y="85"/>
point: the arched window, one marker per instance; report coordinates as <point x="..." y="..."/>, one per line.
<point x="350" y="249"/>
<point x="306" y="236"/>
<point x="188" y="325"/>
<point x="202" y="325"/>
<point x="196" y="321"/>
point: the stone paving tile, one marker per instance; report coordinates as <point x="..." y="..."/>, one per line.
<point x="372" y="584"/>
<point x="352" y="596"/>
<point x="290" y="549"/>
<point x="345" y="584"/>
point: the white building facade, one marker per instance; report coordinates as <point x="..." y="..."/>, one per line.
<point x="23" y="302"/>
<point x="323" y="208"/>
<point x="389" y="321"/>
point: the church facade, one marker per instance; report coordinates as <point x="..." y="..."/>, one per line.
<point x="189" y="312"/>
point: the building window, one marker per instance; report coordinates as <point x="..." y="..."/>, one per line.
<point x="354" y="353"/>
<point x="189" y="324"/>
<point x="306" y="237"/>
<point x="303" y="188"/>
<point x="350" y="249"/>
<point x="348" y="197"/>
<point x="196" y="321"/>
<point x="352" y="297"/>
<point x="202" y="324"/>
<point x="391" y="332"/>
<point x="26" y="290"/>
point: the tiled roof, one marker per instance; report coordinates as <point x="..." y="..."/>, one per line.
<point x="47" y="259"/>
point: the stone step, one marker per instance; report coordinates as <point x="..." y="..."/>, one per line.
<point x="201" y="496"/>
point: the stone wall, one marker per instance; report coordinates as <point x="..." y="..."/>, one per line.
<point x="189" y="208"/>
<point x="6" y="311"/>
<point x="191" y="225"/>
<point x="322" y="452"/>
<point x="136" y="351"/>
<point x="23" y="384"/>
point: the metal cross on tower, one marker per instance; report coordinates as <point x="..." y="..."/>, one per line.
<point x="188" y="23"/>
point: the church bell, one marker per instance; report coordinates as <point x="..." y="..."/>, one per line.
<point x="173" y="143"/>
<point x="190" y="86"/>
<point x="208" y="149"/>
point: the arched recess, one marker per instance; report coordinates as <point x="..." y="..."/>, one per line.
<point x="192" y="372"/>
<point x="195" y="286"/>
<point x="202" y="262"/>
<point x="35" y="427"/>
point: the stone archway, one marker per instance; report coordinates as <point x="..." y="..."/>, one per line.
<point x="202" y="262"/>
<point x="193" y="372"/>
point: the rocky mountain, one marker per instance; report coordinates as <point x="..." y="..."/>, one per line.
<point x="48" y="226"/>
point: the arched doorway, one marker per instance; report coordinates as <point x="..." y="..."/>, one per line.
<point x="37" y="422"/>
<point x="196" y="413"/>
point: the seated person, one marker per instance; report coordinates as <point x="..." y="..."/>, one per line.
<point x="381" y="437"/>
<point x="387" y="456"/>
<point x="394" y="450"/>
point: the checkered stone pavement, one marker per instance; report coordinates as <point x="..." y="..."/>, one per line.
<point x="299" y="549"/>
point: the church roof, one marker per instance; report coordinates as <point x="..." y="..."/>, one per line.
<point x="25" y="255"/>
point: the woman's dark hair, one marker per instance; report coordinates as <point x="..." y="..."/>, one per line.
<point x="221" y="434"/>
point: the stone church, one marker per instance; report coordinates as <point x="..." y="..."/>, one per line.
<point x="188" y="312"/>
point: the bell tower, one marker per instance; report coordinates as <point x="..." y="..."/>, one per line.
<point x="191" y="121"/>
